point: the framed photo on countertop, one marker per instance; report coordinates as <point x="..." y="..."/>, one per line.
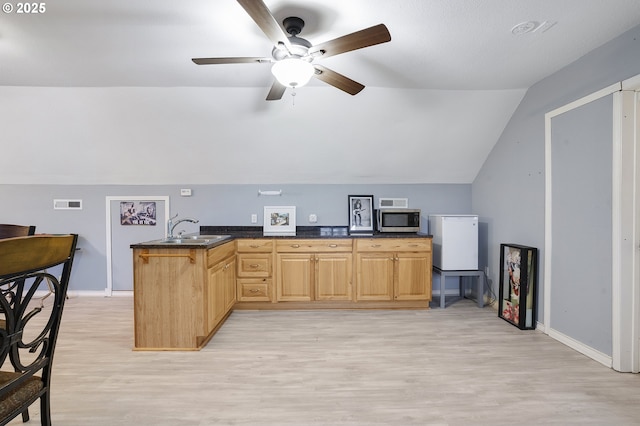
<point x="361" y="214"/>
<point x="279" y="220"/>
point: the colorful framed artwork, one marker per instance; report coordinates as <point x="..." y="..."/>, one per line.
<point x="518" y="282"/>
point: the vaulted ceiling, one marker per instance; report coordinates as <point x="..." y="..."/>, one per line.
<point x="441" y="90"/>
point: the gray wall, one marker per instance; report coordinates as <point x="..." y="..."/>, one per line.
<point x="211" y="204"/>
<point x="582" y="171"/>
<point x="508" y="192"/>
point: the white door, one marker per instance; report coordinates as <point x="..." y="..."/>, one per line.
<point x="131" y="220"/>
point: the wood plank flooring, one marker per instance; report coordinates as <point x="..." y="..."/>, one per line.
<point x="458" y="366"/>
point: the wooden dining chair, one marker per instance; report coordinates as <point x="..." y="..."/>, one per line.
<point x="28" y="340"/>
<point x="10" y="231"/>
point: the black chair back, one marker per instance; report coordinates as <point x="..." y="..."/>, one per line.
<point x="28" y="338"/>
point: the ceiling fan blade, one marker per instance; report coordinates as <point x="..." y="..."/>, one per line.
<point x="363" y="38"/>
<point x="276" y="92"/>
<point x="213" y="61"/>
<point x="337" y="80"/>
<point x="266" y="21"/>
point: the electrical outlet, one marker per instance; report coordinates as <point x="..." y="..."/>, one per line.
<point x="313" y="218"/>
<point x="486" y="271"/>
<point x="254" y="218"/>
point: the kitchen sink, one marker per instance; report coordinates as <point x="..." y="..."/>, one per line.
<point x="184" y="241"/>
<point x="205" y="237"/>
<point x="210" y="238"/>
<point x="194" y="239"/>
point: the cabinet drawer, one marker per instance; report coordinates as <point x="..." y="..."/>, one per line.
<point x="254" y="265"/>
<point x="254" y="290"/>
<point x="393" y="244"/>
<point x="218" y="254"/>
<point x="314" y="246"/>
<point x="255" y="246"/>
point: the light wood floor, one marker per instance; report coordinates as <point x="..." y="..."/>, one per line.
<point x="458" y="366"/>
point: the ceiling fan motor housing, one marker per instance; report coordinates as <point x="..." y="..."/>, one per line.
<point x="299" y="46"/>
<point x="299" y="49"/>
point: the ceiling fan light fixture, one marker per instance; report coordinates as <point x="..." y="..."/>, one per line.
<point x="292" y="72"/>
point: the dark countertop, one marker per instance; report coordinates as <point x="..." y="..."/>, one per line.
<point x="302" y="232"/>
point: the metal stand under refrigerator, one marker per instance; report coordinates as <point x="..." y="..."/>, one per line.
<point x="455" y="254"/>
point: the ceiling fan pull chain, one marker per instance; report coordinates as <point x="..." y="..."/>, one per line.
<point x="293" y="96"/>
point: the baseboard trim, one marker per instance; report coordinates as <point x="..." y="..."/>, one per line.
<point x="592" y="353"/>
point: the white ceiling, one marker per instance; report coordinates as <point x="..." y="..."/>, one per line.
<point x="436" y="44"/>
<point x="459" y="46"/>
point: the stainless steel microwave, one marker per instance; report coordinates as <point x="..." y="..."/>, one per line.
<point x="398" y="220"/>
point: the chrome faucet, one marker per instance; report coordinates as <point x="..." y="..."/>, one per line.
<point x="171" y="225"/>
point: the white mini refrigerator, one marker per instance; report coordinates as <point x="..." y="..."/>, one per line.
<point x="455" y="242"/>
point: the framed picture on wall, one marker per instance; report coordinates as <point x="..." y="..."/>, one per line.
<point x="279" y="220"/>
<point x="138" y="213"/>
<point x="361" y="214"/>
<point x="518" y="282"/>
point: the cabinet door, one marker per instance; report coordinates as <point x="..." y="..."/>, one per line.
<point x="294" y="275"/>
<point x="413" y="276"/>
<point x="375" y="276"/>
<point x="229" y="284"/>
<point x="333" y="276"/>
<point x="215" y="295"/>
<point x="221" y="291"/>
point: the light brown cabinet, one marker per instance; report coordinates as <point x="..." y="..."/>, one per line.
<point x="393" y="269"/>
<point x="181" y="295"/>
<point x="221" y="289"/>
<point x="309" y="270"/>
<point x="254" y="270"/>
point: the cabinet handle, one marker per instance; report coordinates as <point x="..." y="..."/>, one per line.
<point x="333" y="245"/>
<point x="295" y="245"/>
<point x="375" y="245"/>
<point x="254" y="246"/>
<point x="254" y="265"/>
<point x="254" y="290"/>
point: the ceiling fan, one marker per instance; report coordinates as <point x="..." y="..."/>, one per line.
<point x="293" y="56"/>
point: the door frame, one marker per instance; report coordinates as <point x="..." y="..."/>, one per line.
<point x="625" y="232"/>
<point x="628" y="323"/>
<point x="108" y="239"/>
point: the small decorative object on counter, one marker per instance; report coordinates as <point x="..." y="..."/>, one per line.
<point x="518" y="282"/>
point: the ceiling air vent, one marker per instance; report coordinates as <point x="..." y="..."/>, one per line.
<point x="67" y="204"/>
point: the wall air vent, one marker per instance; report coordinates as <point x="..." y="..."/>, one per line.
<point x="67" y="204"/>
<point x="393" y="203"/>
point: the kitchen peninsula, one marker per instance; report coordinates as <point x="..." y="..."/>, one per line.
<point x="183" y="292"/>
